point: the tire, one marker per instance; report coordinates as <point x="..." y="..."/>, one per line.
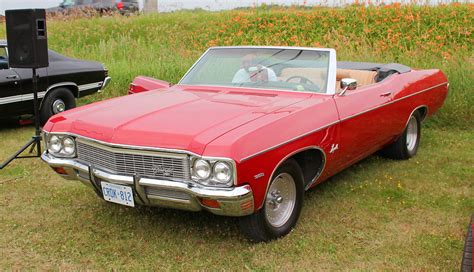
<point x="407" y="144"/>
<point x="466" y="264"/>
<point x="56" y="101"/>
<point x="279" y="214"/>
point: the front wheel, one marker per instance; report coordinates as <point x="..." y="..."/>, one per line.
<point x="281" y="208"/>
<point x="407" y="144"/>
<point x="56" y="101"/>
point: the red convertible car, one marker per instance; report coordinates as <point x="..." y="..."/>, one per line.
<point x="244" y="133"/>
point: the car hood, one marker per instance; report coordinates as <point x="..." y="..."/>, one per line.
<point x="185" y="119"/>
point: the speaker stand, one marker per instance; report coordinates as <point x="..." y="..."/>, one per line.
<point x="35" y="141"/>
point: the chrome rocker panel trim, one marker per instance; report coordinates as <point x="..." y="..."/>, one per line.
<point x="236" y="201"/>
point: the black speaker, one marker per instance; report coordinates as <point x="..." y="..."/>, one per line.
<point x="26" y="38"/>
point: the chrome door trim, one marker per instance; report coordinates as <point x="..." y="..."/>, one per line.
<point x="391" y="102"/>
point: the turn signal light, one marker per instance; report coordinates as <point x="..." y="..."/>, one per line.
<point x="211" y="203"/>
<point x="60" y="170"/>
<point x="246" y="205"/>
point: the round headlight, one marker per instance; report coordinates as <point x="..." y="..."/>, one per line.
<point x="222" y="172"/>
<point x="202" y="169"/>
<point x="69" y="146"/>
<point x="55" y="144"/>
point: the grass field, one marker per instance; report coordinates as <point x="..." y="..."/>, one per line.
<point x="377" y="215"/>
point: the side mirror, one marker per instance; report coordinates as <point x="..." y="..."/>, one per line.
<point x="347" y="84"/>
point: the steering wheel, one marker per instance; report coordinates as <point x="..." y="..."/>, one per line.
<point x="303" y="80"/>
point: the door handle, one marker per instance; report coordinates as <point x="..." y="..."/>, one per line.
<point x="386" y="94"/>
<point x="12" y="77"/>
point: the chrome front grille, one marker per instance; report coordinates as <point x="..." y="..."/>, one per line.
<point x="123" y="161"/>
<point x="160" y="192"/>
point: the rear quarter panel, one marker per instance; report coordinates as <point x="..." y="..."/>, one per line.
<point x="79" y="72"/>
<point x="423" y="88"/>
<point x="414" y="90"/>
<point x="370" y="121"/>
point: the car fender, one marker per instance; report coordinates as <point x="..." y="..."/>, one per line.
<point x="61" y="84"/>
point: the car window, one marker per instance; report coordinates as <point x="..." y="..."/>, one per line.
<point x="3" y="58"/>
<point x="266" y="68"/>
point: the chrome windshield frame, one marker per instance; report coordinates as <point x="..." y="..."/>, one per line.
<point x="331" y="80"/>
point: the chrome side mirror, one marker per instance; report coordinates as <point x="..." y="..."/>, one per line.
<point x="347" y="84"/>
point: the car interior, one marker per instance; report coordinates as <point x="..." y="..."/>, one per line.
<point x="363" y="77"/>
<point x="317" y="75"/>
<point x="364" y="73"/>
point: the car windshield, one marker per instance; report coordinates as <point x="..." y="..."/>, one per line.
<point x="265" y="68"/>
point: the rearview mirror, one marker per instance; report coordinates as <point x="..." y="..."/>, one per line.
<point x="347" y="84"/>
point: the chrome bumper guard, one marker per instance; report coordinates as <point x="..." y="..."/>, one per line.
<point x="236" y="201"/>
<point x="105" y="83"/>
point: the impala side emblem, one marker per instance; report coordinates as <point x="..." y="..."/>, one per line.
<point x="334" y="147"/>
<point x="162" y="170"/>
<point x="259" y="175"/>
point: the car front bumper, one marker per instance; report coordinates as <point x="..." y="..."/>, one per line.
<point x="105" y="83"/>
<point x="236" y="201"/>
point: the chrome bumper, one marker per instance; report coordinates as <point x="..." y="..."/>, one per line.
<point x="236" y="201"/>
<point x="105" y="83"/>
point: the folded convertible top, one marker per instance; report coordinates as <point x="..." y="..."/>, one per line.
<point x="380" y="67"/>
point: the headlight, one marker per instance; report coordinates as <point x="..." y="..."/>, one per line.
<point x="61" y="146"/>
<point x="69" y="147"/>
<point x="213" y="172"/>
<point x="54" y="144"/>
<point x="202" y="169"/>
<point x="222" y="172"/>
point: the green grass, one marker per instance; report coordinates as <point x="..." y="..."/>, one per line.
<point x="377" y="215"/>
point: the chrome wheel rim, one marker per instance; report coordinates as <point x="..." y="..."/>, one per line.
<point x="412" y="134"/>
<point x="280" y="200"/>
<point x="58" y="106"/>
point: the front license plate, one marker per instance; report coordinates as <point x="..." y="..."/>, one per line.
<point x="118" y="194"/>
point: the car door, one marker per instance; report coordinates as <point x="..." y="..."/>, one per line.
<point x="26" y="82"/>
<point x="365" y="121"/>
<point x="11" y="96"/>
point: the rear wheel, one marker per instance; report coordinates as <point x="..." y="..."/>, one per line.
<point x="56" y="101"/>
<point x="407" y="144"/>
<point x="281" y="208"/>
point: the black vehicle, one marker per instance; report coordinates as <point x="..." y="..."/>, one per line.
<point x="59" y="84"/>
<point x="102" y="6"/>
